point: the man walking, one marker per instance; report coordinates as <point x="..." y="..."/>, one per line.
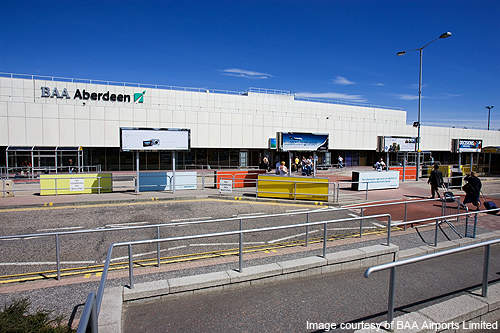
<point x="436" y="181"/>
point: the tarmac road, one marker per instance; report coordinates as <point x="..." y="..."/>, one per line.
<point x="287" y="306"/>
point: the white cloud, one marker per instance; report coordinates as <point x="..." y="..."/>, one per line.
<point x="379" y="84"/>
<point x="342" y="81"/>
<point x="407" y="97"/>
<point x="237" y="72"/>
<point x="333" y="95"/>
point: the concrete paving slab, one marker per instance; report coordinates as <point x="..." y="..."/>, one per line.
<point x="110" y="316"/>
<point x="344" y="256"/>
<point x="301" y="264"/>
<point x="493" y="298"/>
<point x="410" y="253"/>
<point x="255" y="272"/>
<point x="412" y="322"/>
<point x="376" y="250"/>
<point x="146" y="289"/>
<point x="198" y="281"/>
<point x="458" y="309"/>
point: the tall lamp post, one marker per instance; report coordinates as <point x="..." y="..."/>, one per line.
<point x="489" y="107"/>
<point x="443" y="35"/>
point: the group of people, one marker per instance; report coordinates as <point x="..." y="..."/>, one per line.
<point x="472" y="188"/>
<point x="380" y="165"/>
<point x="304" y="166"/>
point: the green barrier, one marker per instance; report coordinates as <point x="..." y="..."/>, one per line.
<point x="78" y="183"/>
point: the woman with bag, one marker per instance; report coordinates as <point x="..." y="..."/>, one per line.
<point x="472" y="190"/>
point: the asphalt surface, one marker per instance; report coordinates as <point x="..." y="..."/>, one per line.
<point x="287" y="306"/>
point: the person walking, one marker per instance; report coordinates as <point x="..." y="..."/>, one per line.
<point x="472" y="190"/>
<point x="283" y="169"/>
<point x="340" y="162"/>
<point x="436" y="181"/>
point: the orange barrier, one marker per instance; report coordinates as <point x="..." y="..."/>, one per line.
<point x="240" y="178"/>
<point x="410" y="172"/>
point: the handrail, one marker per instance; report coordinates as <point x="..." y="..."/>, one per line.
<point x="392" y="266"/>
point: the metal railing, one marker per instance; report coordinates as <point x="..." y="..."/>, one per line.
<point x="392" y="266"/>
<point x="83" y="324"/>
<point x="32" y="172"/>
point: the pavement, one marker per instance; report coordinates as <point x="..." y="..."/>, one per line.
<point x="65" y="297"/>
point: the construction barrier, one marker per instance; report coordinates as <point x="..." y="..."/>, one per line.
<point x="302" y="188"/>
<point x="161" y="181"/>
<point x="76" y="183"/>
<point x="240" y="178"/>
<point x="6" y="188"/>
<point x="410" y="172"/>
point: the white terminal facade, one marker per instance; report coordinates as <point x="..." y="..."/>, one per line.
<point x="226" y="127"/>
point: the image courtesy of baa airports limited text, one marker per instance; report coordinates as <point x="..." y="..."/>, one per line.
<point x="266" y="167"/>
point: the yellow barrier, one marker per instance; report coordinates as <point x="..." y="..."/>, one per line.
<point x="77" y="183"/>
<point x="466" y="169"/>
<point x="315" y="189"/>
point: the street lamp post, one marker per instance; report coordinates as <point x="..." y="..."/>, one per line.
<point x="443" y="35"/>
<point x="489" y="107"/>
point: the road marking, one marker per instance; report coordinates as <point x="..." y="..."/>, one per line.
<point x="296" y="210"/>
<point x="45" y="263"/>
<point x="221" y="244"/>
<point x="192" y="219"/>
<point x="353" y="215"/>
<point x="350" y="228"/>
<point x="250" y="214"/>
<point x="379" y="225"/>
<point x="119" y="225"/>
<point x="289" y="237"/>
<point x="148" y="253"/>
<point x="64" y="228"/>
<point x="18" y="238"/>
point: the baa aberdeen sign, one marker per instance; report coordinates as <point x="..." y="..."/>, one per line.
<point x="85" y="95"/>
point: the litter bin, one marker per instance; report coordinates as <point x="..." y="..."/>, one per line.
<point x="456" y="182"/>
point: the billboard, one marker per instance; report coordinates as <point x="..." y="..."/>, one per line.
<point x="397" y="143"/>
<point x="295" y="141"/>
<point x="153" y="139"/>
<point x="469" y="145"/>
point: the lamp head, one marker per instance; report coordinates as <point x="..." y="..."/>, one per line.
<point x="400" y="53"/>
<point x="445" y="35"/>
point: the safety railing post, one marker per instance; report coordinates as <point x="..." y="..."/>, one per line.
<point x="405" y="218"/>
<point x="58" y="257"/>
<point x="55" y="184"/>
<point x="486" y="263"/>
<point x="98" y="184"/>
<point x="436" y="232"/>
<point x="361" y="223"/>
<point x="443" y="207"/>
<point x="366" y="194"/>
<point x="390" y="303"/>
<point x="130" y="267"/>
<point x="475" y="226"/>
<point x="202" y="181"/>
<point x="240" y="251"/>
<point x="467" y="226"/>
<point x="388" y="230"/>
<point x="93" y="315"/>
<point x="158" y="247"/>
<point x="338" y="192"/>
<point x="307" y="229"/>
<point x="294" y="190"/>
<point x="324" y="239"/>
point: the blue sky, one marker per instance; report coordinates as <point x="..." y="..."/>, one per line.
<point x="340" y="49"/>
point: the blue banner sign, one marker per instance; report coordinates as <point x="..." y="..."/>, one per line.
<point x="294" y="141"/>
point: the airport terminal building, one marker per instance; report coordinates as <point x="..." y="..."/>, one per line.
<point x="227" y="128"/>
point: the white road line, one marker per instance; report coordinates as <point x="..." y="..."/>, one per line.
<point x="289" y="237"/>
<point x="45" y="263"/>
<point x="55" y="229"/>
<point x="380" y="225"/>
<point x="11" y="239"/>
<point x="148" y="253"/>
<point x="192" y="219"/>
<point x="349" y="228"/>
<point x="296" y="210"/>
<point x="353" y="215"/>
<point x="126" y="224"/>
<point x="219" y="244"/>
<point x="249" y="214"/>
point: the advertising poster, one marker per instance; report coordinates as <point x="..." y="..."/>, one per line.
<point x="469" y="145"/>
<point x="302" y="141"/>
<point x="397" y="143"/>
<point x="133" y="139"/>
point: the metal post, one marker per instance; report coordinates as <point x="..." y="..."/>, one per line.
<point x="173" y="171"/>
<point x="387" y="159"/>
<point x="202" y="181"/>
<point x="390" y="303"/>
<point x="55" y="184"/>
<point x="459" y="160"/>
<point x="158" y="247"/>
<point x="405" y="218"/>
<point x="489" y="165"/>
<point x="58" y="258"/>
<point x="443" y="207"/>
<point x="466" y="225"/>
<point x="294" y="190"/>
<point x="366" y="194"/>
<point x="475" y="226"/>
<point x="99" y="184"/>
<point x="307" y="229"/>
<point x="289" y="163"/>
<point x="315" y="162"/>
<point x="404" y="167"/>
<point x="324" y="240"/>
<point x="93" y="316"/>
<point x="419" y="112"/>
<point x="338" y="192"/>
<point x="436" y="233"/>
<point x="486" y="263"/>
<point x="471" y="160"/>
<point x="361" y="223"/>
<point x="136" y="172"/>
<point x="240" y="252"/>
<point x="130" y="267"/>
<point x="388" y="230"/>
